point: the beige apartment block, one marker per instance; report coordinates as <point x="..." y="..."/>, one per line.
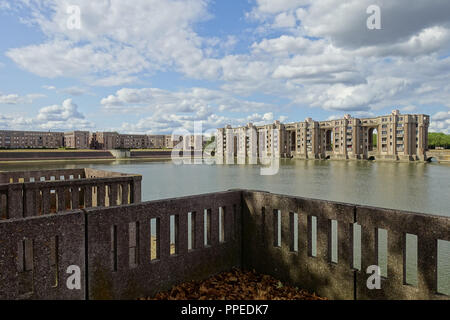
<point x="30" y="139"/>
<point x="157" y="141"/>
<point x="398" y="137"/>
<point x="77" y="139"/>
<point x="134" y="141"/>
<point x="105" y="140"/>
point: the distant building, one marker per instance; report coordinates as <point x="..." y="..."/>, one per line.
<point x="77" y="139"/>
<point x="398" y="137"/>
<point x="89" y="140"/>
<point x="30" y="139"/>
<point x="157" y="141"/>
<point x="106" y="140"/>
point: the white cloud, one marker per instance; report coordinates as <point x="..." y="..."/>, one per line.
<point x="440" y="122"/>
<point x="410" y="108"/>
<point x="117" y="40"/>
<point x="316" y="54"/>
<point x="189" y="100"/>
<point x="56" y="117"/>
<point x="17" y="99"/>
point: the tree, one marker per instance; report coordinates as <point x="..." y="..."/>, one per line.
<point x="438" y="139"/>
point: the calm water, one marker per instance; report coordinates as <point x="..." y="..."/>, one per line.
<point x="416" y="187"/>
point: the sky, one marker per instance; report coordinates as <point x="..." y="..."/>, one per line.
<point x="155" y="66"/>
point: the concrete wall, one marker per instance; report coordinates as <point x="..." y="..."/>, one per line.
<point x="341" y="279"/>
<point x="123" y="269"/>
<point x="115" y="244"/>
<point x="54" y="155"/>
<point x="34" y="193"/>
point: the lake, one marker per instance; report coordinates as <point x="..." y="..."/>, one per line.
<point x="418" y="187"/>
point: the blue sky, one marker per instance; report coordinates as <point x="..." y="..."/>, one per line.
<point x="152" y="66"/>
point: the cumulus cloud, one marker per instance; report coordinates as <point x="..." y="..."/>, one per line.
<point x="172" y="110"/>
<point x="190" y="100"/>
<point x="55" y="117"/>
<point x="117" y="40"/>
<point x="17" y="99"/>
<point x="316" y="54"/>
<point x="440" y="122"/>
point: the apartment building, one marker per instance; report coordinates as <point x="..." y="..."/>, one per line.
<point x="398" y="137"/>
<point x="30" y="139"/>
<point x="157" y="141"/>
<point x="105" y="140"/>
<point x="77" y="139"/>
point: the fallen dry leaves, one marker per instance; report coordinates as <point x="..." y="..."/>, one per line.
<point x="236" y="285"/>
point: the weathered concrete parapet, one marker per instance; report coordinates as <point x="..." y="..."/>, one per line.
<point x="298" y="267"/>
<point x="136" y="189"/>
<point x="340" y="279"/>
<point x="35" y="254"/>
<point x="131" y="250"/>
<point x="120" y="241"/>
<point x="14" y="201"/>
<point x="428" y="229"/>
<point x="33" y="193"/>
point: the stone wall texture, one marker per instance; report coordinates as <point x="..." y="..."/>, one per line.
<point x="122" y="254"/>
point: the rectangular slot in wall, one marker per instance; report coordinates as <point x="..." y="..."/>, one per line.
<point x="410" y="260"/>
<point x="312" y="236"/>
<point x="443" y="267"/>
<point x="25" y="261"/>
<point x="334" y="241"/>
<point x="207" y="227"/>
<point x="222" y="224"/>
<point x="293" y="218"/>
<point x="191" y="230"/>
<point x="277" y="228"/>
<point x="382" y="250"/>
<point x="235" y="222"/>
<point x="114" y="248"/>
<point x="263" y="225"/>
<point x="356" y="235"/>
<point x="174" y="234"/>
<point x="154" y="239"/>
<point x="3" y="206"/>
<point x="133" y="244"/>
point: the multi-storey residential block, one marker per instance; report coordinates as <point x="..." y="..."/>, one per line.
<point x="77" y="139"/>
<point x="85" y="140"/>
<point x="157" y="141"/>
<point x="134" y="141"/>
<point x="30" y="139"/>
<point x="105" y="140"/>
<point x="391" y="137"/>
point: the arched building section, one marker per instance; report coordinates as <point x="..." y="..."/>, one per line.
<point x="389" y="137"/>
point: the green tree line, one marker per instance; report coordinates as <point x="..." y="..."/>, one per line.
<point x="438" y="139"/>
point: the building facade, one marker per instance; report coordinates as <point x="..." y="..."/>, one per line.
<point x="84" y="140"/>
<point x="77" y="139"/>
<point x="30" y="139"/>
<point x="390" y="137"/>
